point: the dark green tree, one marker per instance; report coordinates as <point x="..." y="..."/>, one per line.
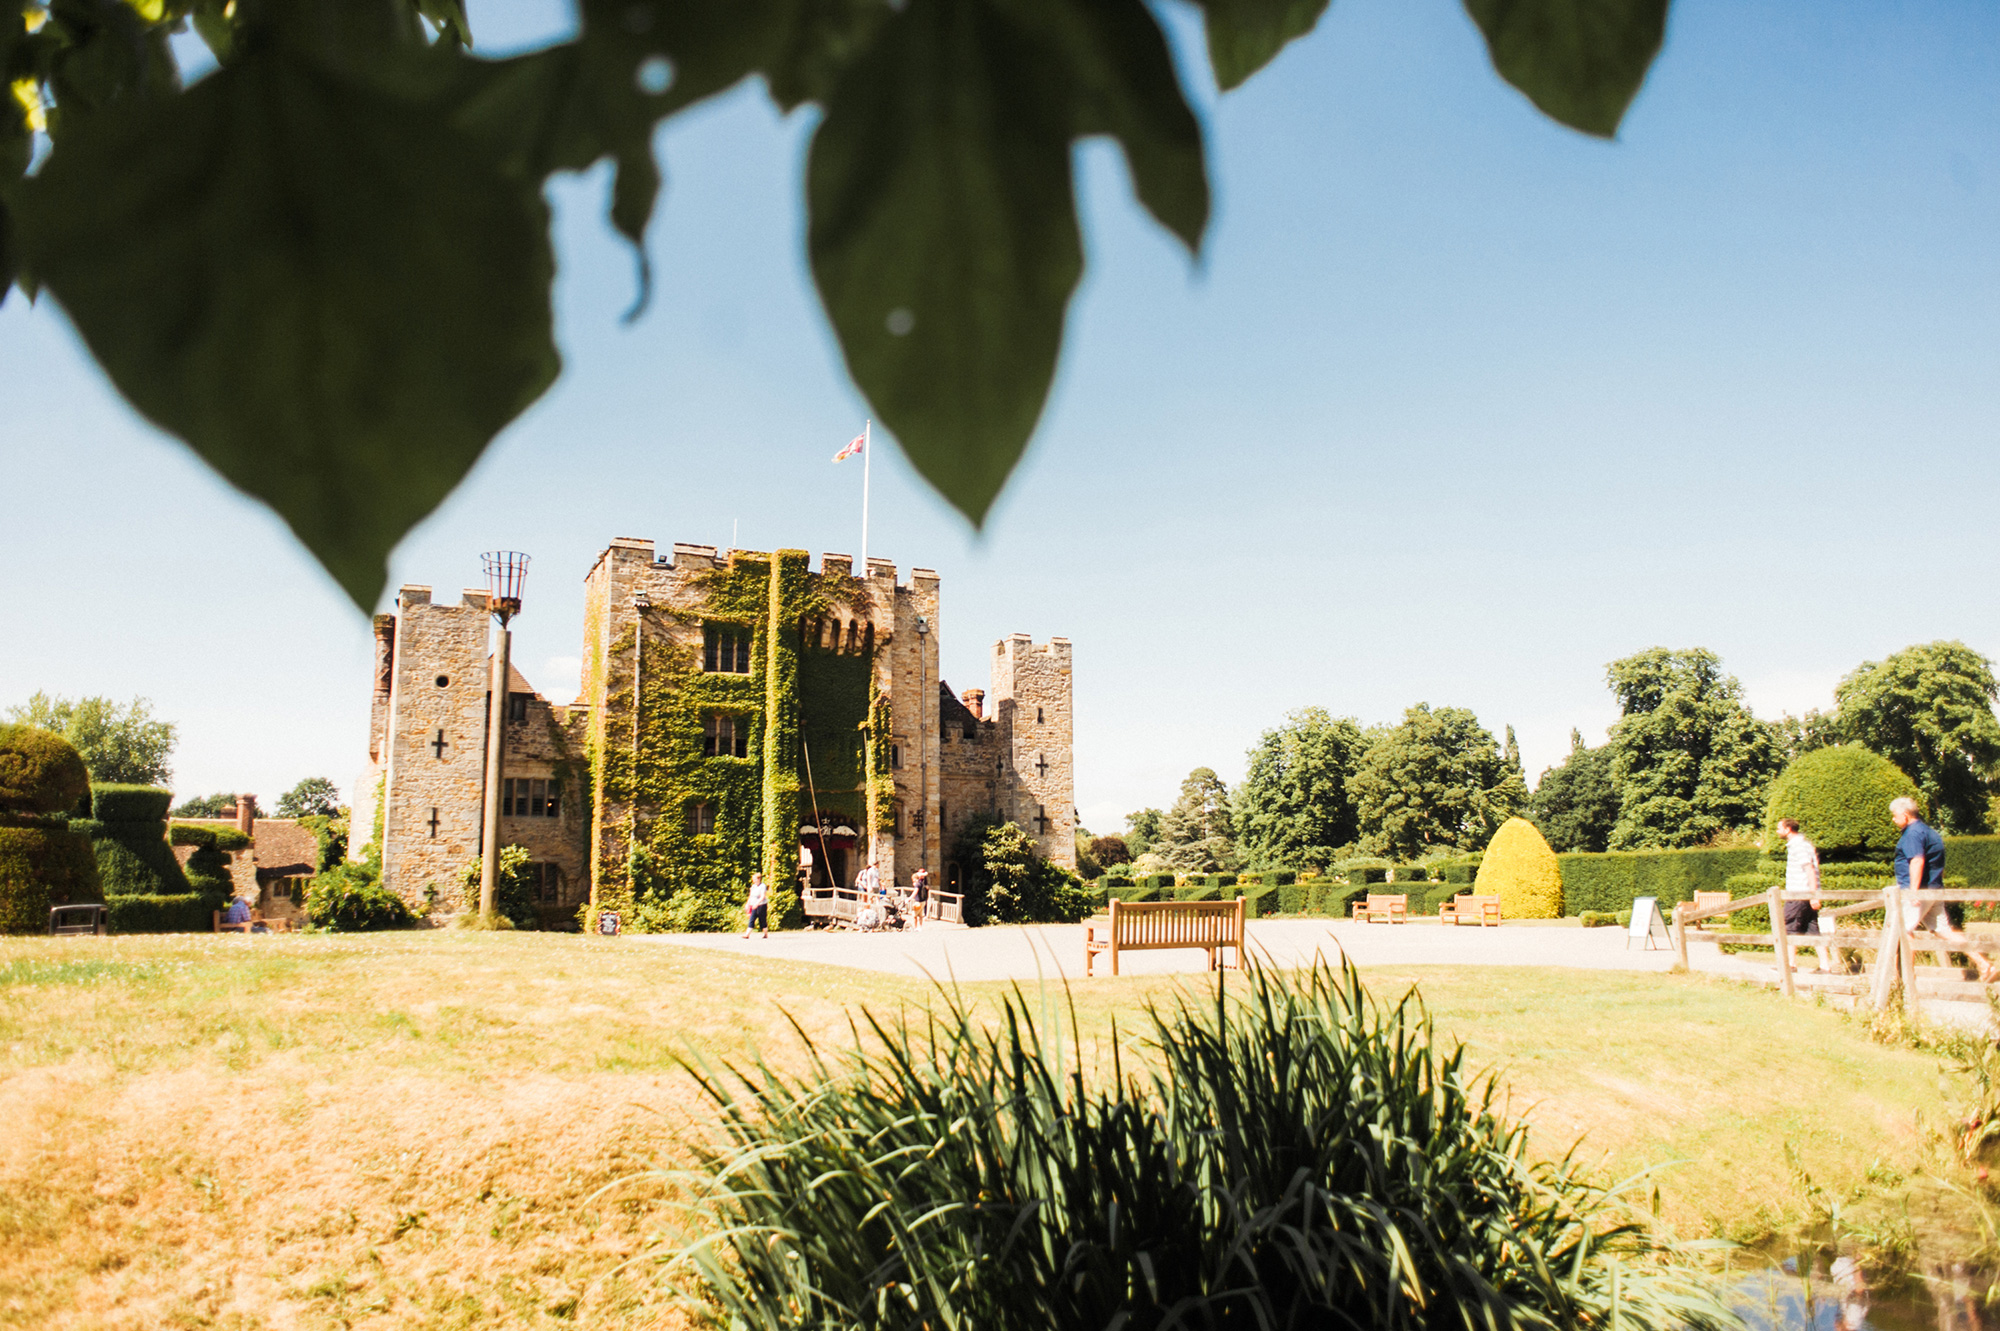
<point x="1293" y="806"/>
<point x="122" y="745"/>
<point x="1197" y="834"/>
<point x="204" y="806"/>
<point x="327" y="264"/>
<point x="1437" y="779"/>
<point x="1798" y="735"/>
<point x="1142" y="829"/>
<point x="1575" y="805"/>
<point x="1110" y="850"/>
<point x="1687" y="757"/>
<point x="1929" y="710"/>
<point x="313" y="797"/>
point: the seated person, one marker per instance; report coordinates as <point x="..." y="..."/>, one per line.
<point x="238" y="912"/>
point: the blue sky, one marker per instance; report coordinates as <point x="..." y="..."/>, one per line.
<point x="1456" y="407"/>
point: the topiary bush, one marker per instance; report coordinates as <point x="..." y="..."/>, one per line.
<point x="41" y="867"/>
<point x="1522" y="871"/>
<point x="351" y="899"/>
<point x="181" y="913"/>
<point x="40" y="772"/>
<point x="129" y="833"/>
<point x="1840" y="796"/>
<point x="43" y="861"/>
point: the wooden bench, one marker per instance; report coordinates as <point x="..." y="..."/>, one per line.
<point x="88" y="918"/>
<point x="1379" y="906"/>
<point x="251" y="925"/>
<point x="1145" y="926"/>
<point x="1467" y="908"/>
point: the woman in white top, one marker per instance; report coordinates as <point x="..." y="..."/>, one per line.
<point x="758" y="908"/>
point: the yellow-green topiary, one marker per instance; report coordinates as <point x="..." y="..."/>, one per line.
<point x="1523" y="872"/>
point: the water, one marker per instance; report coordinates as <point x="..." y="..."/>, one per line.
<point x="1822" y="1291"/>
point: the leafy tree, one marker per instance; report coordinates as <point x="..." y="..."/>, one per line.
<point x="513" y="893"/>
<point x="1687" y="757"/>
<point x="313" y="797"/>
<point x="122" y="746"/>
<point x="1197" y="834"/>
<point x="1293" y="806"/>
<point x="204" y="806"/>
<point x="1007" y="880"/>
<point x="1437" y="779"/>
<point x="1575" y="806"/>
<point x="1929" y="710"/>
<point x="1142" y="829"/>
<point x="1798" y="735"/>
<point x="1110" y="850"/>
<point x="327" y="265"/>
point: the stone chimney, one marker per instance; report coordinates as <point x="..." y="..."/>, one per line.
<point x="975" y="702"/>
<point x="246" y="814"/>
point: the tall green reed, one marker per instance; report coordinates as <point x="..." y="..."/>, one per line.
<point x="1295" y="1156"/>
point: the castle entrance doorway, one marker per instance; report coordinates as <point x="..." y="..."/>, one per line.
<point x="833" y="842"/>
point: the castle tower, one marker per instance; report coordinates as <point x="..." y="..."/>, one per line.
<point x="1032" y="704"/>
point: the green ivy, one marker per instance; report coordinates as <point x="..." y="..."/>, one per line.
<point x="672" y="877"/>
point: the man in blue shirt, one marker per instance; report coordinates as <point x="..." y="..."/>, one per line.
<point x="1920" y="864"/>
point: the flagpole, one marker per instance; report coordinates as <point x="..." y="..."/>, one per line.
<point x="867" y="455"/>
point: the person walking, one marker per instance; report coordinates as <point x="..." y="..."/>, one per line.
<point x="1920" y="865"/>
<point x="920" y="893"/>
<point x="757" y="910"/>
<point x="1802" y="875"/>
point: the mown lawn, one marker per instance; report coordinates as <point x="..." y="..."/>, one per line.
<point x="454" y="1130"/>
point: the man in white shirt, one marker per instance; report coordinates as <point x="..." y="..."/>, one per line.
<point x="1802" y="875"/>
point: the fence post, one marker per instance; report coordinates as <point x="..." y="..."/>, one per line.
<point x="1777" y="899"/>
<point x="1680" y="933"/>
<point x="1885" y="954"/>
<point x="1906" y="961"/>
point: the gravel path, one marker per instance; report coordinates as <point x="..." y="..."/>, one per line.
<point x="1007" y="952"/>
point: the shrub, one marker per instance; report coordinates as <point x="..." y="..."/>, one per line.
<point x="128" y="831"/>
<point x="1198" y="892"/>
<point x="40" y="772"/>
<point x="1410" y="873"/>
<point x="1610" y="880"/>
<point x="349" y="898"/>
<point x="1143" y="890"/>
<point x="1522" y="871"/>
<point x="129" y="804"/>
<point x="210" y="838"/>
<point x="1260" y="901"/>
<point x="1110" y="881"/>
<point x="1977" y="857"/>
<point x="1599" y="919"/>
<point x="1840" y="796"/>
<point x="1159" y="882"/>
<point x="513" y="894"/>
<point x="177" y="913"/>
<point x="1303" y="1157"/>
<point x="1012" y="884"/>
<point x="41" y="867"/>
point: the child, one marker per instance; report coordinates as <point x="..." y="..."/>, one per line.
<point x="758" y="908"/>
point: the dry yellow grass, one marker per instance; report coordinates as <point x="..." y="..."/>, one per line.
<point x="417" y="1130"/>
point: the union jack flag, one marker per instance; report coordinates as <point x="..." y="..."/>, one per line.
<point x="851" y="449"/>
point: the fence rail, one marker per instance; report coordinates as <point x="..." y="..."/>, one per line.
<point x="1895" y="945"/>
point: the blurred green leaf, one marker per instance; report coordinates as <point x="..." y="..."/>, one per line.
<point x="1580" y="61"/>
<point x="943" y="236"/>
<point x="330" y="292"/>
<point x="943" y="229"/>
<point x="1246" y="35"/>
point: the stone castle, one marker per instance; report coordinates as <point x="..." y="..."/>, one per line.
<point x="734" y="707"/>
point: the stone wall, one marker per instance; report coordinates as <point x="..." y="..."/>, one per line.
<point x="1032" y="702"/>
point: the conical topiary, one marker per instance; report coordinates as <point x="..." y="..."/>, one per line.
<point x="1841" y="797"/>
<point x="1523" y="872"/>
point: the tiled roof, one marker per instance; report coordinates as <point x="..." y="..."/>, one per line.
<point x="283" y="848"/>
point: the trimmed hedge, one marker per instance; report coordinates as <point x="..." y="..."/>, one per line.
<point x="1411" y="873"/>
<point x="1840" y="797"/>
<point x="1109" y="881"/>
<point x="1260" y="900"/>
<point x="42" y="867"/>
<point x="130" y="804"/>
<point x="1610" y="880"/>
<point x="1976" y="857"/>
<point x="1144" y="890"/>
<point x="153" y="913"/>
<point x="1522" y="871"/>
<point x="40" y="772"/>
<point x="211" y="838"/>
<point x="1198" y="892"/>
<point x="1159" y="882"/>
<point x="1463" y="872"/>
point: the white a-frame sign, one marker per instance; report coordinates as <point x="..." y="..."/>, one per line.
<point x="1647" y="924"/>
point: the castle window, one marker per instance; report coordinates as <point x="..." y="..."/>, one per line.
<point x="701" y="818"/>
<point x="1038" y="716"/>
<point x="517" y="707"/>
<point x="531" y="797"/>
<point x="895" y="756"/>
<point x="971" y="730"/>
<point x="444" y="681"/>
<point x="725" y="651"/>
<point x="725" y="736"/>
